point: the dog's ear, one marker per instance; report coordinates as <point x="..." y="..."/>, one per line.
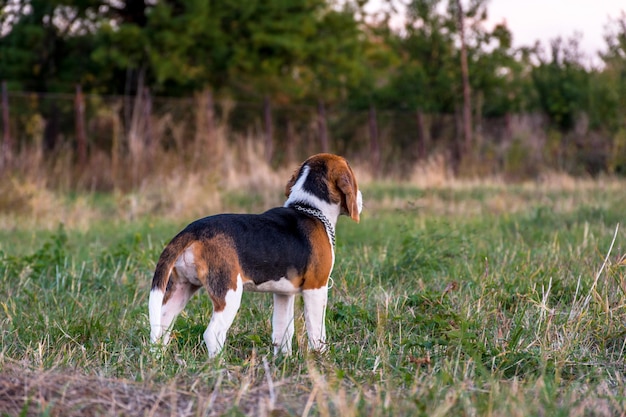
<point x="291" y="182"/>
<point x="347" y="184"/>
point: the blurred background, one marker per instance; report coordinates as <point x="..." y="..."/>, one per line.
<point x="104" y="94"/>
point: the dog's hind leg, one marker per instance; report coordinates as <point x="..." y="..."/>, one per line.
<point x="224" y="313"/>
<point x="168" y="306"/>
<point x="282" y="323"/>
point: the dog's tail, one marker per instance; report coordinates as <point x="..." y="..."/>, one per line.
<point x="161" y="279"/>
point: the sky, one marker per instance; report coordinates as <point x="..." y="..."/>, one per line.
<point x="543" y="20"/>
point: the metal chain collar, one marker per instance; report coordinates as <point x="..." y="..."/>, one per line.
<point x="330" y="230"/>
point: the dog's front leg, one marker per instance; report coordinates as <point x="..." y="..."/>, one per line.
<point x="282" y="323"/>
<point x="314" y="317"/>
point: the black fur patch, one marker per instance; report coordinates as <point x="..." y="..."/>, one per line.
<point x="219" y="281"/>
<point x="269" y="246"/>
<point x="316" y="181"/>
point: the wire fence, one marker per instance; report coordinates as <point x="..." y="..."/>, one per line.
<point x="139" y="132"/>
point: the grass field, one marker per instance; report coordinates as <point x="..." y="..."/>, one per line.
<point x="461" y="299"/>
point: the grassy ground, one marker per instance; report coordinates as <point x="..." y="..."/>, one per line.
<point x="455" y="300"/>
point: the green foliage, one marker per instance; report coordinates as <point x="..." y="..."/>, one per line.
<point x="319" y="52"/>
<point x="426" y="75"/>
<point x="51" y="256"/>
<point x="562" y="84"/>
<point x="46" y="44"/>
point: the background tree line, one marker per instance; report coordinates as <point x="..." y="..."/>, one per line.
<point x="356" y="75"/>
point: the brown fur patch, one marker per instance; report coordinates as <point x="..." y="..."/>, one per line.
<point x="220" y="265"/>
<point x="344" y="187"/>
<point x="171" y="286"/>
<point x="216" y="267"/>
<point x="321" y="262"/>
<point x="202" y="269"/>
<point x="167" y="259"/>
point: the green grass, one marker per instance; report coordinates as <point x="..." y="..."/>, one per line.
<point x="481" y="300"/>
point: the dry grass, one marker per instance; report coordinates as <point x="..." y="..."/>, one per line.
<point x="54" y="392"/>
<point x="174" y="191"/>
<point x="63" y="392"/>
<point x="242" y="175"/>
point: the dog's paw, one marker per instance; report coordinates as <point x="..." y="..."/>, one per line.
<point x="156" y="351"/>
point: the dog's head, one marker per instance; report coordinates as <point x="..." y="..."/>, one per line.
<point x="329" y="179"/>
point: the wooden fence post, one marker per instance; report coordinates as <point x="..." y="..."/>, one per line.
<point x="321" y="125"/>
<point x="210" y="124"/>
<point x="147" y="133"/>
<point x="374" y="142"/>
<point x="290" y="146"/>
<point x="81" y="137"/>
<point x="421" y="135"/>
<point x="269" y="130"/>
<point x="7" y="142"/>
<point x="467" y="106"/>
<point x="136" y="134"/>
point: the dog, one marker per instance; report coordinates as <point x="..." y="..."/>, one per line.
<point x="287" y="250"/>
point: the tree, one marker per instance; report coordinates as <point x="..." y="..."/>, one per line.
<point x="121" y="47"/>
<point x="42" y="49"/>
<point x="500" y="74"/>
<point x="562" y="82"/>
<point x="432" y="77"/>
<point x="608" y="93"/>
<point x="467" y="100"/>
<point x="42" y="43"/>
<point x="611" y="81"/>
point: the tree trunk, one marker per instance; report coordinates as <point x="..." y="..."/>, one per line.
<point x="456" y="150"/>
<point x="148" y="140"/>
<point x="421" y="135"/>
<point x="290" y="147"/>
<point x="321" y="126"/>
<point x="269" y="130"/>
<point x="136" y="131"/>
<point x="51" y="129"/>
<point x="374" y="142"/>
<point x="7" y="142"/>
<point x="81" y="137"/>
<point x="467" y="107"/>
<point x="210" y="123"/>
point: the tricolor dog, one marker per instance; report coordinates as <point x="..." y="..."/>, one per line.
<point x="287" y="250"/>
